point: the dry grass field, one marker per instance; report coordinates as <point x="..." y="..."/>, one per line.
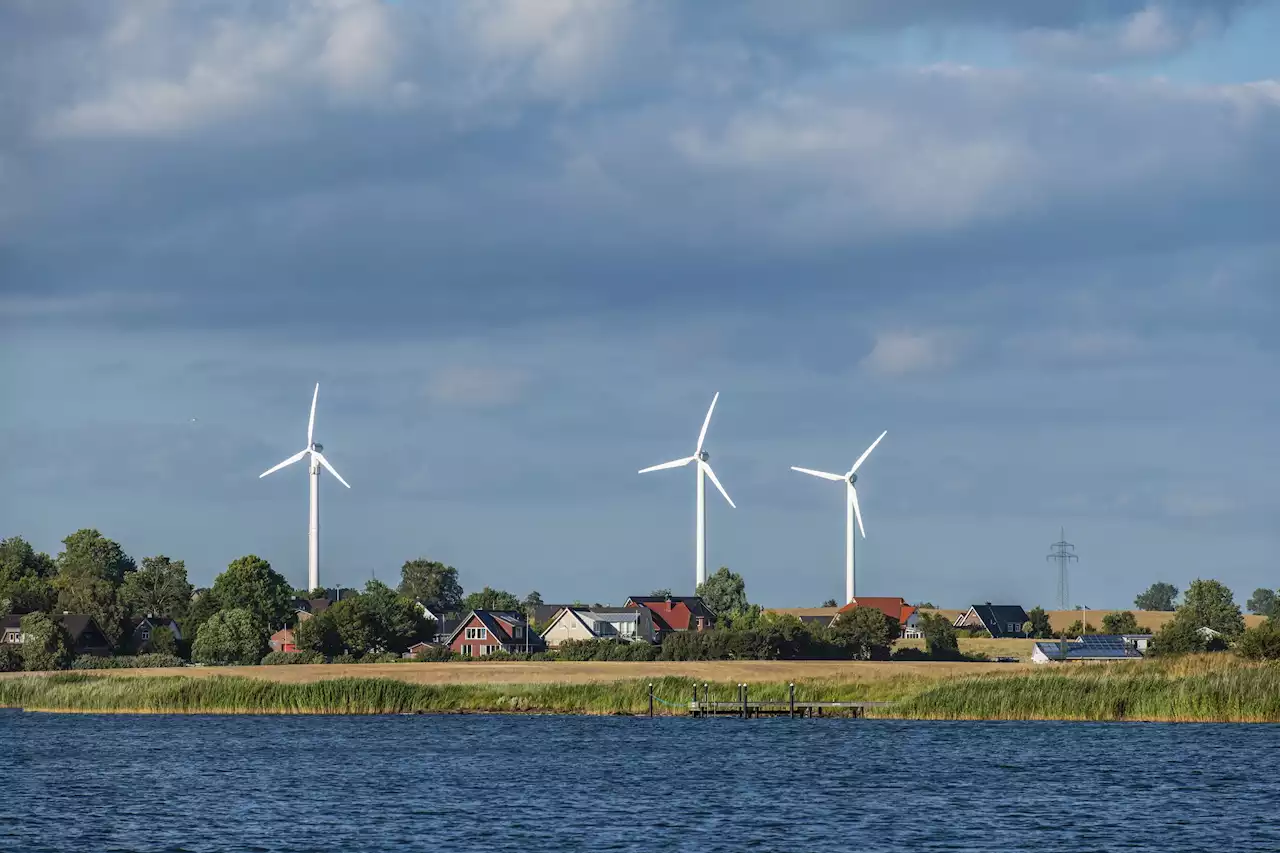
<point x="584" y="672"/>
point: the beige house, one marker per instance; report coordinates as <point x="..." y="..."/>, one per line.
<point x="634" y="625"/>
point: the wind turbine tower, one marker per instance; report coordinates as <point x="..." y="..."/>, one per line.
<point x="699" y="456"/>
<point x="315" y="462"/>
<point x="852" y="510"/>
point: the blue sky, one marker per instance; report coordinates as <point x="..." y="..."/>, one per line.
<point x="521" y="244"/>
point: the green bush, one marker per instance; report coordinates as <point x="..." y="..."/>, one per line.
<point x="126" y="661"/>
<point x="279" y="658"/>
<point x="434" y="654"/>
<point x="45" y="643"/>
<point x="10" y="659"/>
<point x="606" y="650"/>
<point x="1260" y="643"/>
<point x="230" y="637"/>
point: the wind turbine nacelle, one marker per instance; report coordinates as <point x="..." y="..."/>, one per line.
<point x="319" y="448"/>
<point x="853" y="479"/>
<point x="704" y="455"/>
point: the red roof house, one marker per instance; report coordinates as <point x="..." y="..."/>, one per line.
<point x="675" y="612"/>
<point x="484" y="632"/>
<point x="894" y="608"/>
<point x="283" y="641"/>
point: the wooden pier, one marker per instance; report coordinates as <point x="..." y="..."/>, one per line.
<point x="746" y="707"/>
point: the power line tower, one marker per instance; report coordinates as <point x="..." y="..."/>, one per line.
<point x="1063" y="554"/>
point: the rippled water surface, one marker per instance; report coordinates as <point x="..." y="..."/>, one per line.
<point x="462" y="783"/>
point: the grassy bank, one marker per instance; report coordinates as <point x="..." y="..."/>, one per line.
<point x="75" y="692"/>
<point x="1202" y="688"/>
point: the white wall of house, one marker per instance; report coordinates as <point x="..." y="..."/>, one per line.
<point x="566" y="626"/>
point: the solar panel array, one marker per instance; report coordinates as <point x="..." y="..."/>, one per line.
<point x="1102" y="641"/>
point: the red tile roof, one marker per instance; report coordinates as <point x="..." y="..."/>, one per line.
<point x="894" y="608"/>
<point x="678" y="613"/>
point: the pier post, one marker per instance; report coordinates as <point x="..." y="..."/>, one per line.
<point x="744" y="701"/>
<point x="650" y="698"/>
<point x="694" y="706"/>
<point x="793" y="699"/>
<point x="706" y="693"/>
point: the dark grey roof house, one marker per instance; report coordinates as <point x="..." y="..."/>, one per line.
<point x="1000" y="620"/>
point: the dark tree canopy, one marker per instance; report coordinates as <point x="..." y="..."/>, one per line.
<point x="25" y="576"/>
<point x="395" y="623"/>
<point x="725" y="592"/>
<point x="88" y="552"/>
<point x="232" y="636"/>
<point x="490" y="599"/>
<point x="866" y="633"/>
<point x="1159" y="596"/>
<point x="159" y="588"/>
<point x="940" y="640"/>
<point x="660" y="593"/>
<point x="1263" y="602"/>
<point x="45" y="643"/>
<point x="1122" y="622"/>
<point x="250" y="583"/>
<point x="1210" y="604"/>
<point x="830" y="602"/>
<point x="318" y="634"/>
<point x="1038" y="623"/>
<point x="434" y="584"/>
<point x="203" y="605"/>
<point x="351" y="620"/>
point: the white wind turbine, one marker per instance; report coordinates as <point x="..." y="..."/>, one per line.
<point x="317" y="459"/>
<point x="704" y="470"/>
<point x="851" y="509"/>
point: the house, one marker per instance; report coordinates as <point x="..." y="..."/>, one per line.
<point x="283" y="641"/>
<point x="674" y="613"/>
<point x="807" y="615"/>
<point x="896" y="609"/>
<point x="140" y="629"/>
<point x="444" y="624"/>
<point x="999" y="620"/>
<point x="483" y="632"/>
<point x="308" y="607"/>
<point x="86" y="637"/>
<point x="634" y="625"/>
<point x="1095" y="647"/>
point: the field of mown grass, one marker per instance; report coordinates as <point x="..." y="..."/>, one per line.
<point x="1200" y="688"/>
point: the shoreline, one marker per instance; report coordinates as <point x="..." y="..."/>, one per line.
<point x="1204" y="688"/>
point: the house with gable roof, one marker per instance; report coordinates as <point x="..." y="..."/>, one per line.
<point x="999" y="620"/>
<point x="484" y="632"/>
<point x="632" y="625"/>
<point x="674" y="613"/>
<point x="896" y="609"/>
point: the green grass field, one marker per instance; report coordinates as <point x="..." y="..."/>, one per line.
<point x="1200" y="688"/>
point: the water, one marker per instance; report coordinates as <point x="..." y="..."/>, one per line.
<point x="463" y="783"/>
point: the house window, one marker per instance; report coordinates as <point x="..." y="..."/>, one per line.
<point x="517" y="632"/>
<point x="477" y="633"/>
<point x="1013" y="628"/>
<point x="466" y="650"/>
<point x="146" y="635"/>
<point x="484" y="650"/>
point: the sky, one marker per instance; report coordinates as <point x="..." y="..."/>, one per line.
<point x="521" y="244"/>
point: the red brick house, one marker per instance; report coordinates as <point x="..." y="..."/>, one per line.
<point x="675" y="613"/>
<point x="483" y="632"/>
<point x="894" y="608"/>
<point x="283" y="641"/>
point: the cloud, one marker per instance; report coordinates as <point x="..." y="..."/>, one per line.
<point x="1155" y="31"/>
<point x="903" y="353"/>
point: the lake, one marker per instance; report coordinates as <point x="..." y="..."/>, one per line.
<point x="535" y="783"/>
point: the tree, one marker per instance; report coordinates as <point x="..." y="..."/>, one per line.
<point x="926" y="605"/>
<point x="1210" y="604"/>
<point x="203" y="605"/>
<point x="1159" y="596"/>
<point x="939" y="636"/>
<point x="353" y="624"/>
<point x="1263" y="602"/>
<point x="318" y="634"/>
<point x="159" y="588"/>
<point x="660" y="593"/>
<point x="1178" y="636"/>
<point x="724" y="592"/>
<point x="490" y="599"/>
<point x="434" y="584"/>
<point x="25" y="576"/>
<point x="45" y="643"/>
<point x="234" y="636"/>
<point x="532" y="600"/>
<point x="1038" y="623"/>
<point x="1260" y="643"/>
<point x="90" y="569"/>
<point x="162" y="642"/>
<point x="1122" y="622"/>
<point x="830" y="602"/>
<point x="250" y="583"/>
<point x="395" y="623"/>
<point x="866" y="633"/>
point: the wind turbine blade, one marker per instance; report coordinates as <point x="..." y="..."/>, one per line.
<point x="867" y="452"/>
<point x="702" y="436"/>
<point x="325" y="462"/>
<point x="712" y="475"/>
<point x="823" y="474"/>
<point x="857" y="512"/>
<point x="311" y="422"/>
<point x="292" y="459"/>
<point x="674" y="463"/>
